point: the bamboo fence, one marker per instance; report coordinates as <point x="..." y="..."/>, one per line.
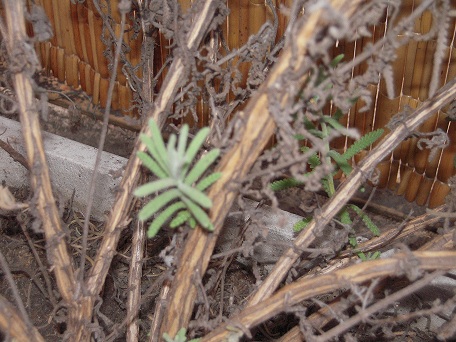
<point x="75" y="56"/>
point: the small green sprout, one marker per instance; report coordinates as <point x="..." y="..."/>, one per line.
<point x="180" y="185"/>
<point x="180" y="337"/>
<point x="341" y="163"/>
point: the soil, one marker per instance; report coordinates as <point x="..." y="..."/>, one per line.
<point x="239" y="279"/>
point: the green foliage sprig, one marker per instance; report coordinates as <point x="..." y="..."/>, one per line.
<point x="341" y="162"/>
<point x="180" y="186"/>
<point x="180" y="337"/>
<point x="321" y="129"/>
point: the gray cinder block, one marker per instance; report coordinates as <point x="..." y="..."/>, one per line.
<point x="70" y="163"/>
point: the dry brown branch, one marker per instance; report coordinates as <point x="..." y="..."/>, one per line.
<point x="21" y="56"/>
<point x="300" y="290"/>
<point x="134" y="281"/>
<point x="395" y="233"/>
<point x="253" y="132"/>
<point x="14" y="154"/>
<point x="381" y="304"/>
<point x="119" y="217"/>
<point x="444" y="96"/>
<point x="439" y="243"/>
<point x="13" y="326"/>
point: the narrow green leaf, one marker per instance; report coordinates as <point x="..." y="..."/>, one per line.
<point x="152" y="230"/>
<point x="198" y="214"/>
<point x="300" y="225"/>
<point x="201" y="166"/>
<point x="195" y="195"/>
<point x="174" y="163"/>
<point x="334" y="123"/>
<point x="157" y="138"/>
<point x="344" y="217"/>
<point x="283" y="184"/>
<point x="206" y="182"/>
<point x="180" y="219"/>
<point x="314" y="159"/>
<point x="157" y="203"/>
<point x="352" y="241"/>
<point x="160" y="220"/>
<point x="366" y="219"/>
<point x="151" y="165"/>
<point x="192" y="223"/>
<point x="149" y="188"/>
<point x="364" y="142"/>
<point x="196" y="144"/>
<point x="341" y="162"/>
<point x="171" y="143"/>
<point x="157" y="157"/>
<point x="337" y="60"/>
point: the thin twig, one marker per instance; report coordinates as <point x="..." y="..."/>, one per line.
<point x="303" y="289"/>
<point x="124" y="8"/>
<point x="13" y="287"/>
<point x="444" y="96"/>
<point x="134" y="281"/>
<point x="41" y="267"/>
<point x="382" y="304"/>
<point x="14" y="154"/>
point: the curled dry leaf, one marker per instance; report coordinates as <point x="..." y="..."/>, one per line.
<point x="8" y="202"/>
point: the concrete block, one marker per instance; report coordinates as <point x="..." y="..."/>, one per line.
<point x="70" y="163"/>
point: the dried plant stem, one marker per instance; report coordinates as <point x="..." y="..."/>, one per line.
<point x="304" y="289"/>
<point x="388" y="237"/>
<point x="380" y="305"/>
<point x="119" y="216"/>
<point x="134" y="281"/>
<point x="12" y="325"/>
<point x="104" y="131"/>
<point x="318" y="319"/>
<point x="444" y="96"/>
<point x="58" y="255"/>
<point x="255" y="128"/>
<point x="13" y="287"/>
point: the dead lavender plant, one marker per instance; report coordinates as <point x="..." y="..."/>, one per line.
<point x="282" y="93"/>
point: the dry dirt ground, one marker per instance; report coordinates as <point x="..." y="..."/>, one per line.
<point x="239" y="280"/>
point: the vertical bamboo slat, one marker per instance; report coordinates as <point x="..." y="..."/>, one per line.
<point x="75" y="55"/>
<point x="83" y="29"/>
<point x="83" y="77"/>
<point x="394" y="175"/>
<point x="61" y="65"/>
<point x="413" y="186"/>
<point x="104" y="85"/>
<point x="405" y="173"/>
<point x="438" y="194"/>
<point x="72" y="71"/>
<point x="423" y="191"/>
<point x="89" y="76"/>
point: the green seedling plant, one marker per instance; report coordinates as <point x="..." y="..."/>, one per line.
<point x="181" y="195"/>
<point x="341" y="162"/>
<point x="180" y="337"/>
